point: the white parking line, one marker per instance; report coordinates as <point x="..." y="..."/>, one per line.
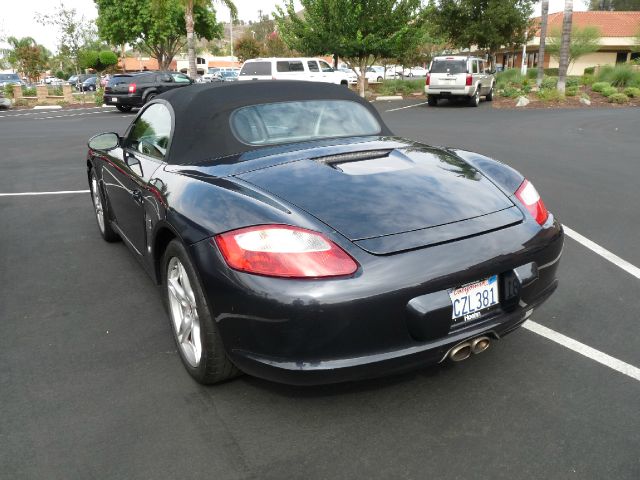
<point x="26" y="194"/>
<point x="603" y="252"/>
<point x="582" y="349"/>
<point x="41" y="112"/>
<point x="408" y="106"/>
<point x="69" y="115"/>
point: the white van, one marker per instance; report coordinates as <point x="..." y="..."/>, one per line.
<point x="309" y="69"/>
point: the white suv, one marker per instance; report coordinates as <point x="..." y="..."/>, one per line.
<point x="309" y="69"/>
<point x="458" y="76"/>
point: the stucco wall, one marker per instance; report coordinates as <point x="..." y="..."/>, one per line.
<point x="589" y="60"/>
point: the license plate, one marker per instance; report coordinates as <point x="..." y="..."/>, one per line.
<point x="114" y="99"/>
<point x="470" y="300"/>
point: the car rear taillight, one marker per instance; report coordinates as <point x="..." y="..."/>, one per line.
<point x="428" y="80"/>
<point x="132" y="88"/>
<point x="530" y="198"/>
<point x="469" y="80"/>
<point x="284" y="251"/>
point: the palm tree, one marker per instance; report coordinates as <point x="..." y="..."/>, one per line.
<point x="189" y="24"/>
<point x="543" y="38"/>
<point x="564" y="45"/>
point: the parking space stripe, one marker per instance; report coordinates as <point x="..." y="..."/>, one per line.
<point x="582" y="349"/>
<point x="408" y="106"/>
<point x="26" y="194"/>
<point x="603" y="252"/>
<point x="41" y="112"/>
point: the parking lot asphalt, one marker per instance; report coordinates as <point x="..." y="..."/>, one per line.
<point x="91" y="385"/>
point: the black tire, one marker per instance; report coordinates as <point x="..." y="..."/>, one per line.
<point x="489" y="96"/>
<point x="379" y="79"/>
<point x="214" y="365"/>
<point x="106" y="230"/>
<point x="474" y="100"/>
<point x="124" y="108"/>
<point x="150" y="97"/>
<point x="432" y="100"/>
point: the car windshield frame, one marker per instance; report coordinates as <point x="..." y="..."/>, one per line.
<point x="296" y="121"/>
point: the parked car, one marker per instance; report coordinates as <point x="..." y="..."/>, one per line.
<point x="375" y="74"/>
<point x="274" y="216"/>
<point x="307" y="69"/>
<point x="415" y="72"/>
<point x="225" y="76"/>
<point x="5" y="103"/>
<point x="89" y="85"/>
<point x="459" y="77"/>
<point x="128" y="90"/>
<point x="352" y="78"/>
<point x="10" y="79"/>
<point x="214" y="71"/>
<point x="80" y="79"/>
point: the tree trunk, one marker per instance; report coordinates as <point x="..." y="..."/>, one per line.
<point x="191" y="41"/>
<point x="124" y="53"/>
<point x="543" y="40"/>
<point x="564" y="45"/>
<point x="362" y="65"/>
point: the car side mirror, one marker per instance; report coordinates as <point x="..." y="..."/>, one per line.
<point x="104" y="142"/>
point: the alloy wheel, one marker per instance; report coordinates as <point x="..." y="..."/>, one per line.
<point x="184" y="314"/>
<point x="97" y="203"/>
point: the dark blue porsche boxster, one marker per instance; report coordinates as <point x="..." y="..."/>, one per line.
<point x="296" y="238"/>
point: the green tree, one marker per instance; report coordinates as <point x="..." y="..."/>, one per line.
<point x="583" y="41"/>
<point x="27" y="57"/>
<point x="156" y="27"/>
<point x="75" y="33"/>
<point x="359" y="31"/>
<point x="620" y="5"/>
<point x="247" y="47"/>
<point x="486" y="24"/>
<point x="274" y="46"/>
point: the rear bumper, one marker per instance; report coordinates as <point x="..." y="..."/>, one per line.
<point x="296" y="372"/>
<point x="448" y="91"/>
<point x="120" y="99"/>
<point x="394" y="316"/>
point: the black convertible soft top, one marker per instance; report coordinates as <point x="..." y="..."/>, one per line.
<point x="202" y="113"/>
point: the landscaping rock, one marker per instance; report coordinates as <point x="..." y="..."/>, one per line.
<point x="585" y="101"/>
<point x="522" y="102"/>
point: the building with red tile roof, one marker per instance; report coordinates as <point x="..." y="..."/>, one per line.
<point x="619" y="31"/>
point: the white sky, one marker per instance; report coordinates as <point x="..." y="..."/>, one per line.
<point x="19" y="21"/>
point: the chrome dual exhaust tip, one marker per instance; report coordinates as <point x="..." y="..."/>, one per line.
<point x="460" y="352"/>
<point x="463" y="350"/>
<point x="480" y="344"/>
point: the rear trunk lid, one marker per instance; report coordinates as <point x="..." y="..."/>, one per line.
<point x="390" y="200"/>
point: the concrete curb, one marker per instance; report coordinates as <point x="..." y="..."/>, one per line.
<point x="47" y="107"/>
<point x="389" y="97"/>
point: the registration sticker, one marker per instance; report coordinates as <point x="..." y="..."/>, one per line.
<point x="469" y="301"/>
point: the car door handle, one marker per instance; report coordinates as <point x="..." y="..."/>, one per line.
<point x="137" y="196"/>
